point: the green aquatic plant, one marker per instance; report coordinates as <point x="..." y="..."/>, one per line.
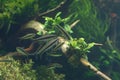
<point x="48" y="73"/>
<point x="11" y="10"/>
<point x="79" y="48"/>
<point x="91" y="25"/>
<point x="16" y="12"/>
<point x="14" y="70"/>
<point x="94" y="26"/>
<point x="57" y="20"/>
<point x="80" y="44"/>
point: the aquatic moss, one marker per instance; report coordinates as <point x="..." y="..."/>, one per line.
<point x="91" y="26"/>
<point x="14" y="70"/>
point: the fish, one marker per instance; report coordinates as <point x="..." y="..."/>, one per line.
<point x="44" y="37"/>
<point x="28" y="36"/>
<point x="47" y="46"/>
<point x="58" y="46"/>
<point x="113" y="15"/>
<point x="64" y="32"/>
<point x="55" y="65"/>
<point x="55" y="54"/>
<point x="21" y="50"/>
<point x="30" y="47"/>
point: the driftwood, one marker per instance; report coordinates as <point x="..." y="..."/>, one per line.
<point x="93" y="68"/>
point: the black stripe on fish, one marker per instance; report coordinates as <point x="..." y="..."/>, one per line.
<point x="64" y="32"/>
<point x="28" y="36"/>
<point x="47" y="46"/>
<point x="43" y="38"/>
<point x="58" y="46"/>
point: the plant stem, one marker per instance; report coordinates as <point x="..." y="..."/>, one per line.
<point x="74" y="23"/>
<point x="51" y="10"/>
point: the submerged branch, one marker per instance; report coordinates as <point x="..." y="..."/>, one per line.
<point x="74" y="23"/>
<point x="51" y="10"/>
<point x="93" y="68"/>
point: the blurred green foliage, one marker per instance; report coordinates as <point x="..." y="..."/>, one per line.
<point x="90" y="26"/>
<point x="14" y="70"/>
<point x="19" y="11"/>
<point x="48" y="73"/>
<point x="13" y="11"/>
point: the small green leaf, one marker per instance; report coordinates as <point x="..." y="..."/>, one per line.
<point x="58" y="14"/>
<point x="90" y="45"/>
<point x="50" y="32"/>
<point x="39" y="33"/>
<point x="68" y="29"/>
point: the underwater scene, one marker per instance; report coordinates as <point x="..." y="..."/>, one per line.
<point x="59" y="39"/>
